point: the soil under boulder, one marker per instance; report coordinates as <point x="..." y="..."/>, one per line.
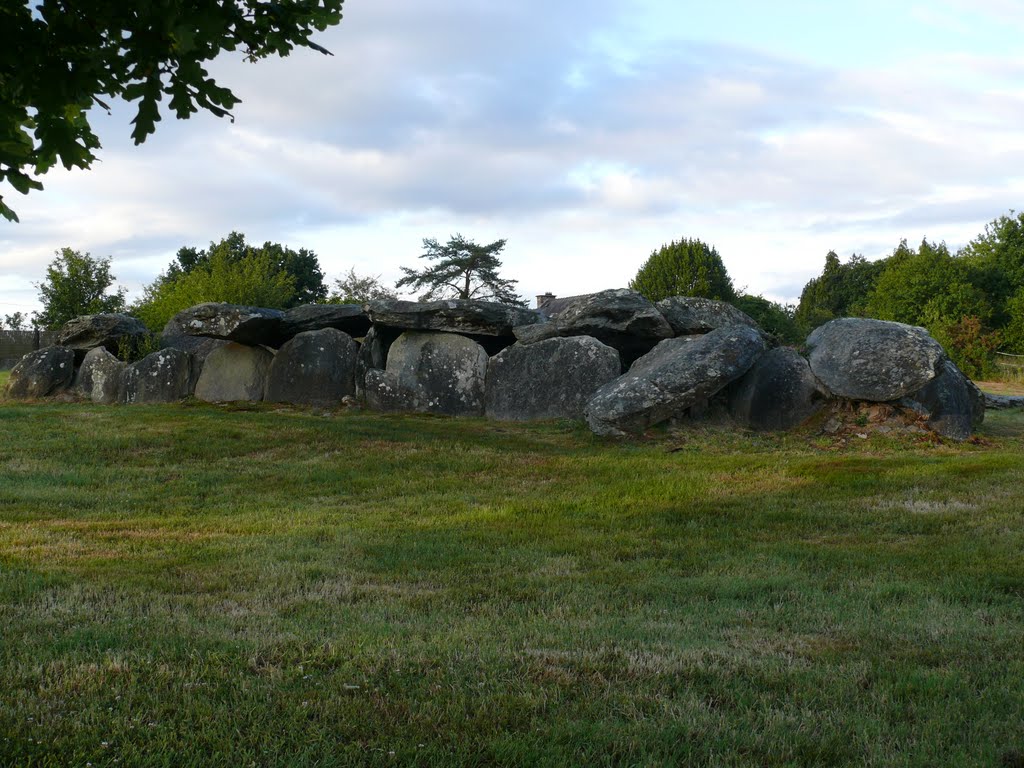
<point x="234" y="372"/>
<point x="430" y="372"/>
<point x="42" y="373"/>
<point x="874" y="360"/>
<point x="676" y="374"/>
<point x="778" y="392"/>
<point x="99" y="376"/>
<point x="550" y="379"/>
<point x="313" y="368"/>
<point x="164" y="376"/>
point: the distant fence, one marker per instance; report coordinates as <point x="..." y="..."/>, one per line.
<point x="1010" y="365"/>
<point x="14" y="345"/>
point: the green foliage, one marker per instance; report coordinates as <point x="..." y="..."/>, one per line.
<point x="58" y="60"/>
<point x="133" y="349"/>
<point x="464" y="270"/>
<point x="302" y="265"/>
<point x="684" y="268"/>
<point x="255" y="279"/>
<point x="773" y="317"/>
<point x="16" y="321"/>
<point x="841" y="290"/>
<point x="76" y="284"/>
<point x="353" y="288"/>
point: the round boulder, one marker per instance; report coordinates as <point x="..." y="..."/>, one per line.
<point x="313" y="368"/>
<point x="874" y="360"/>
<point x="234" y="372"/>
<point x="550" y="379"/>
<point x="42" y="373"/>
<point x="620" y="318"/>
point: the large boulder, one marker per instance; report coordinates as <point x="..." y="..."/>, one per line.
<point x="234" y="372"/>
<point x="465" y="316"/>
<point x="161" y="377"/>
<point x="99" y="376"/>
<point x="252" y="326"/>
<point x="348" y="318"/>
<point x="675" y="375"/>
<point x="620" y="318"/>
<point x="430" y="372"/>
<point x="694" y="314"/>
<point x="778" y="392"/>
<point x="109" y="330"/>
<point x="313" y="368"/>
<point x="42" y="373"/>
<point x="874" y="360"/>
<point x="550" y="379"/>
<point x="954" y="405"/>
<point x="174" y="337"/>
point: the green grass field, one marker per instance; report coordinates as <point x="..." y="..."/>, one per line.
<point x="192" y="585"/>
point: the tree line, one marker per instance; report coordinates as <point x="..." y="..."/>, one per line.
<point x="971" y="301"/>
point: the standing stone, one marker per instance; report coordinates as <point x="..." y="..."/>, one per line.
<point x="161" y="377"/>
<point x="778" y="392"/>
<point x="42" y="373"/>
<point x="108" y="330"/>
<point x="550" y="379"/>
<point x="234" y="372"/>
<point x="954" y="404"/>
<point x="874" y="360"/>
<point x="430" y="372"/>
<point x="675" y="375"/>
<point x="99" y="376"/>
<point x="314" y="368"/>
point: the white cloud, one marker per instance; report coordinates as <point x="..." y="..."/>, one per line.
<point x="554" y="127"/>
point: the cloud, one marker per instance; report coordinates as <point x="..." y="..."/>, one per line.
<point x="578" y="134"/>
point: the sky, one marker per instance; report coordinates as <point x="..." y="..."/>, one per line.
<point x="586" y="134"/>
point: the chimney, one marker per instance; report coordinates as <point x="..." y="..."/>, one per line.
<point x="543" y="299"/>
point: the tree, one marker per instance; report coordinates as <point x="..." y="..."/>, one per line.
<point x="76" y="284"/>
<point x="773" y="317"/>
<point x="841" y="290"/>
<point x="16" y="321"/>
<point x="464" y="270"/>
<point x="58" y="59"/>
<point x="684" y="268"/>
<point x="302" y="265"/>
<point x="256" y="279"/>
<point x="352" y="288"/>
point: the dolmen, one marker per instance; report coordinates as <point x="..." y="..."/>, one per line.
<point x="613" y="359"/>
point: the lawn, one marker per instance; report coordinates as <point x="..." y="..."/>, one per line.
<point x="193" y="585"/>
